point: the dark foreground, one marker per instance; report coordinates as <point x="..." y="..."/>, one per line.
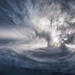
<point x="23" y="71"/>
<point x="12" y="63"/>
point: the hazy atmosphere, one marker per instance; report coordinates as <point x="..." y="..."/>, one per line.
<point x="37" y="37"/>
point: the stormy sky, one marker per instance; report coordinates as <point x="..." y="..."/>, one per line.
<point x="39" y="33"/>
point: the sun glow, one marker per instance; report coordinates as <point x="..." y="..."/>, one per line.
<point x="44" y="25"/>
